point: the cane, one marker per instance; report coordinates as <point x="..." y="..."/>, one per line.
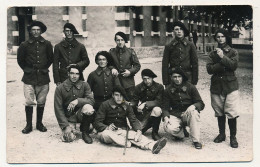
<point x="126" y="138"/>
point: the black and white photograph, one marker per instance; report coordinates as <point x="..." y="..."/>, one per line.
<point x="130" y="84"/>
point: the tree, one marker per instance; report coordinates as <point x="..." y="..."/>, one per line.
<point x="227" y="15"/>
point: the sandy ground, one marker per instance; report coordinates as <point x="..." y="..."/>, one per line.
<point x="38" y="147"/>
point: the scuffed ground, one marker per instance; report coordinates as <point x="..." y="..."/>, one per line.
<point x="38" y="147"/>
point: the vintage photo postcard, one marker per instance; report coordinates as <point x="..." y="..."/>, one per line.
<point x="120" y="84"/>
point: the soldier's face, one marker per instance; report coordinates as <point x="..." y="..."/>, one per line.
<point x="221" y="39"/>
<point x="120" y="42"/>
<point x="178" y="32"/>
<point x="118" y="98"/>
<point x="102" y="61"/>
<point x="74" y="75"/>
<point x="68" y="33"/>
<point x="176" y="79"/>
<point x="147" y="80"/>
<point x="36" y="31"/>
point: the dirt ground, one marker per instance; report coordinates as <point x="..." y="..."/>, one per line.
<point x="38" y="147"/>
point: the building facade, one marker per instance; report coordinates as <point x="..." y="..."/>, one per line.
<point x="145" y="26"/>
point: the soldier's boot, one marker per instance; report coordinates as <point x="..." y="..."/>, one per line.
<point x="147" y="124"/>
<point x="222" y="127"/>
<point x="233" y="131"/>
<point x="85" y="128"/>
<point x="29" y="114"/>
<point x="39" y="124"/>
<point x="156" y="124"/>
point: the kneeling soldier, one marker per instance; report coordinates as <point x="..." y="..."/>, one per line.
<point x="73" y="103"/>
<point x="149" y="93"/>
<point x="111" y="123"/>
<point x="181" y="106"/>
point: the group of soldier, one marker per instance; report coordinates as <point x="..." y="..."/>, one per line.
<point x="120" y="111"/>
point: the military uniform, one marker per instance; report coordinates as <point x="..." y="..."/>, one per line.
<point x="126" y="58"/>
<point x="66" y="53"/>
<point x="175" y="103"/>
<point x="180" y="54"/>
<point x="102" y="83"/>
<point x="152" y="96"/>
<point x="35" y="56"/>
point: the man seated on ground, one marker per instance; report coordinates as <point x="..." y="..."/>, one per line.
<point x="181" y="107"/>
<point x="150" y="94"/>
<point x="111" y="124"/>
<point x="73" y="103"/>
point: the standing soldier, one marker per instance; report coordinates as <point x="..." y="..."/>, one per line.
<point x="68" y="51"/>
<point x="180" y="53"/>
<point x="126" y="64"/>
<point x="34" y="57"/>
<point x="222" y="65"/>
<point x="101" y="81"/>
<point x="150" y="94"/>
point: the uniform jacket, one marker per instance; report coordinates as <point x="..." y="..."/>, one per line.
<point x="66" y="93"/>
<point x="125" y="58"/>
<point x="66" y="53"/>
<point x="152" y="95"/>
<point x="180" y="54"/>
<point x="35" y="56"/>
<point x="109" y="112"/>
<point x="177" y="99"/>
<point x="102" y="83"/>
<point x="223" y="80"/>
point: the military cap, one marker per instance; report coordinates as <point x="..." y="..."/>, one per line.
<point x="39" y="24"/>
<point x="121" y="34"/>
<point x="107" y="55"/>
<point x="181" y="72"/>
<point x="71" y="27"/>
<point x="148" y="73"/>
<point x="180" y="24"/>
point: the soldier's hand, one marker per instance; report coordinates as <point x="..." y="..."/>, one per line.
<point x="220" y="52"/>
<point x="68" y="135"/>
<point x="72" y="105"/>
<point x="138" y="136"/>
<point x="58" y="83"/>
<point x="112" y="127"/>
<point x="114" y="72"/>
<point x="126" y="73"/>
<point x="191" y="108"/>
<point x="141" y="107"/>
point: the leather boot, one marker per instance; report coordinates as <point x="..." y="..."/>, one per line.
<point x="29" y="113"/>
<point x="147" y="124"/>
<point x="222" y="127"/>
<point x="85" y="128"/>
<point x="39" y="124"/>
<point x="156" y="124"/>
<point x="233" y="131"/>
